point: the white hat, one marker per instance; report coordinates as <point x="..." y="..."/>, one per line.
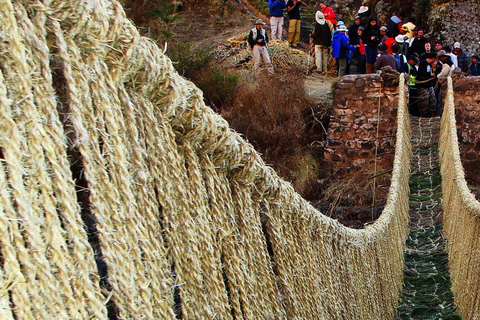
<point x="320" y="17"/>
<point x="383" y="28"/>
<point x="259" y="21"/>
<point x="342" y="28"/>
<point x="456" y="45"/>
<point x="400" y="38"/>
<point x="339" y="23"/>
<point x="363" y="9"/>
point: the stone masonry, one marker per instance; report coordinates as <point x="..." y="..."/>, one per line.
<point x="362" y="125"/>
<point x="357" y="137"/>
<point x="467" y="113"/>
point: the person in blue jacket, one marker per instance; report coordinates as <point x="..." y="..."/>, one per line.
<point x="341" y="48"/>
<point x="276" y="17"/>
<point x="475" y="66"/>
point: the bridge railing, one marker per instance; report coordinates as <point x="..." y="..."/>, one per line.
<point x="461" y="218"/>
<point x="123" y="196"/>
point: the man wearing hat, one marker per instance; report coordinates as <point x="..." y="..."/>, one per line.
<point x="322" y="40"/>
<point x="426" y="81"/>
<point x="364" y="14"/>
<point x="402" y="44"/>
<point x="258" y="39"/>
<point x="340" y="49"/>
<point x="446" y="71"/>
<point x="385" y="59"/>
<point x="462" y="57"/>
<point x="447" y="64"/>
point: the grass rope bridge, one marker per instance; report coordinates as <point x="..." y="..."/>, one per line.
<point x="426" y="293"/>
<point x="122" y="196"/>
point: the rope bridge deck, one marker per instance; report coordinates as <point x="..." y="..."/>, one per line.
<point x="123" y="196"/>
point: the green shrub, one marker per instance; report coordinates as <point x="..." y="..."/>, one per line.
<point x="218" y="87"/>
<point x="189" y="59"/>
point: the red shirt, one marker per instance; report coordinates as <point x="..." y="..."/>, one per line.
<point x="329" y="14"/>
<point x="389" y="42"/>
<point x="361" y="49"/>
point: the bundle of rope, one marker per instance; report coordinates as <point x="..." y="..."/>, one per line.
<point x="282" y="56"/>
<point x="461" y="217"/>
<point x="123" y="196"/>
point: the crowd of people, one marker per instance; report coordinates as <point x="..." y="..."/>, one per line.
<point x="367" y="47"/>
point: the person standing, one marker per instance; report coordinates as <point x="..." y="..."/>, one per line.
<point x="475" y="66"/>
<point x="417" y="43"/>
<point x="426" y="80"/>
<point x="448" y="50"/>
<point x="361" y="52"/>
<point x="353" y="38"/>
<point x="340" y="49"/>
<point x="322" y="40"/>
<point x="389" y="41"/>
<point x="462" y="57"/>
<point x="411" y="69"/>
<point x="276" y="17"/>
<point x="258" y="39"/>
<point x="437" y="46"/>
<point x="399" y="58"/>
<point x="293" y="10"/>
<point x="385" y="59"/>
<point x="395" y="24"/>
<point x="327" y="12"/>
<point x="352" y="30"/>
<point x="446" y="71"/>
<point x="371" y="39"/>
<point x="403" y="46"/>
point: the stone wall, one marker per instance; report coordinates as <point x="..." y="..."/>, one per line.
<point x="357" y="138"/>
<point x="362" y="125"/>
<point x="467" y="113"/>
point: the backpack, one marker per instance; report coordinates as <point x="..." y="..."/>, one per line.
<point x="400" y="62"/>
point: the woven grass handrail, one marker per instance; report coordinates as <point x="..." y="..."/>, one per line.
<point x="123" y="196"/>
<point x="461" y="217"/>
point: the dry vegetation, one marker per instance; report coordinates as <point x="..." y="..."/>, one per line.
<point x="208" y="46"/>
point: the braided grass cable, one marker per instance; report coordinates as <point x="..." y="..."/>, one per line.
<point x="74" y="271"/>
<point x="461" y="217"/>
<point x="14" y="253"/>
<point x="191" y="223"/>
<point x="151" y="242"/>
<point x="38" y="226"/>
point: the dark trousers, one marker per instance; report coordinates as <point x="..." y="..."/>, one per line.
<point x="413" y="101"/>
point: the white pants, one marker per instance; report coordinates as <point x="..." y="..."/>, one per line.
<point x="258" y="51"/>
<point x="321" y="58"/>
<point x="276" y="23"/>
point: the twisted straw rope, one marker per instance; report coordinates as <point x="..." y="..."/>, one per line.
<point x="461" y="217"/>
<point x="190" y="222"/>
